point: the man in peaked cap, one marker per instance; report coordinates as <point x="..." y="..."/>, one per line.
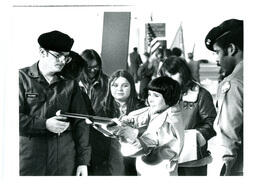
<point x="50" y="144"/>
<point x="226" y="40"/>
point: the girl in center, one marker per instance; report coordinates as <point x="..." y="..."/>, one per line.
<point x="120" y="100"/>
<point x="154" y="134"/>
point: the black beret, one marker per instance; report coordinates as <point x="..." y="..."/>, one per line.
<point x="232" y="27"/>
<point x="55" y="41"/>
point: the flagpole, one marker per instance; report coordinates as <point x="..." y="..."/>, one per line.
<point x="193" y="48"/>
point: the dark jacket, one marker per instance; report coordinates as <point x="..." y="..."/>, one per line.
<point x="96" y="90"/>
<point x="199" y="113"/>
<point x="106" y="156"/>
<point x="43" y="152"/>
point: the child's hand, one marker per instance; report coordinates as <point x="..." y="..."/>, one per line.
<point x="127" y="121"/>
<point x="129" y="134"/>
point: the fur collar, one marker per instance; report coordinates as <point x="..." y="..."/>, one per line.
<point x="191" y="95"/>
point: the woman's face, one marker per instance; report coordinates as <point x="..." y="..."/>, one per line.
<point x="120" y="89"/>
<point x="176" y="76"/>
<point x="156" y="101"/>
<point x="93" y="68"/>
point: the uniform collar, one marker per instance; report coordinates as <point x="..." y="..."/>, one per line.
<point x="35" y="73"/>
<point x="237" y="71"/>
<point x="238" y="68"/>
<point x="34" y="70"/>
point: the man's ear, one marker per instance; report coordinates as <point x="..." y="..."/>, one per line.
<point x="232" y="49"/>
<point x="42" y="51"/>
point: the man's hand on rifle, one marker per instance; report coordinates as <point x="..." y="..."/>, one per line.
<point x="57" y="124"/>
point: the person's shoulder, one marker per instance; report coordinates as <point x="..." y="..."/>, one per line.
<point x="237" y="79"/>
<point x="234" y="80"/>
<point x="24" y="69"/>
<point x="203" y="90"/>
<point x="174" y="113"/>
<point x="104" y="76"/>
<point x="139" y="111"/>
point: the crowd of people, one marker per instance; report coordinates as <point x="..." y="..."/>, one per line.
<point x="162" y="129"/>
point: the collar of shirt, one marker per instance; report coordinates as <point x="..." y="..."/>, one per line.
<point x="238" y="70"/>
<point x="85" y="80"/>
<point x="122" y="108"/>
<point x="35" y="73"/>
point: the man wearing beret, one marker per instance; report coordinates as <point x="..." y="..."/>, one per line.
<point x="49" y="144"/>
<point x="226" y="40"/>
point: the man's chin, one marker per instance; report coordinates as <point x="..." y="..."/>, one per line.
<point x="91" y="76"/>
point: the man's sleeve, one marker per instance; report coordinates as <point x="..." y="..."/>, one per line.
<point x="28" y="125"/>
<point x="81" y="129"/>
<point x="207" y="114"/>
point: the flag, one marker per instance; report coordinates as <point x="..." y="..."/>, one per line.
<point x="178" y="41"/>
<point x="152" y="42"/>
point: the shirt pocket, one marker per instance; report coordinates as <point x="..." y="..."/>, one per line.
<point x="34" y="97"/>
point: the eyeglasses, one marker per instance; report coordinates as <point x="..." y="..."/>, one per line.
<point x="94" y="68"/>
<point x="61" y="57"/>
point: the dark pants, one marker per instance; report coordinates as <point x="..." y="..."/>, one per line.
<point x="47" y="155"/>
<point x="192" y="171"/>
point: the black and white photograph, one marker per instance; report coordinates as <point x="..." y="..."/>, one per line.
<point x="121" y="91"/>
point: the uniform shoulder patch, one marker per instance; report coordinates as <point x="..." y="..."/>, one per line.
<point x="225" y="87"/>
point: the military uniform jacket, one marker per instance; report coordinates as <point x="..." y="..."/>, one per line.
<point x="41" y="151"/>
<point x="229" y="120"/>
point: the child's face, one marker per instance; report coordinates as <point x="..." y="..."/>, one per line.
<point x="120" y="89"/>
<point x="156" y="101"/>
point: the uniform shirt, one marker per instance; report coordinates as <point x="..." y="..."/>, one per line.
<point x="38" y="101"/>
<point x="229" y="120"/>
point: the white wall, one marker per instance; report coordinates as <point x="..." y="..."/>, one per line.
<point x="83" y="24"/>
<point x="197" y="18"/>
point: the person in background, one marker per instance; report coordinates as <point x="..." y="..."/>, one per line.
<point x="120" y="100"/>
<point x="167" y="53"/>
<point x="92" y="80"/>
<point x="49" y="144"/>
<point x="135" y="62"/>
<point x="226" y="40"/>
<point x="176" y="52"/>
<point x="194" y="67"/>
<point x="157" y="60"/>
<point x="93" y="83"/>
<point x="158" y="147"/>
<point x="198" y="113"/>
<point x="145" y="73"/>
<point x="73" y="70"/>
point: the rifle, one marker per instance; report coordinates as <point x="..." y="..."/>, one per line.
<point x="102" y="124"/>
